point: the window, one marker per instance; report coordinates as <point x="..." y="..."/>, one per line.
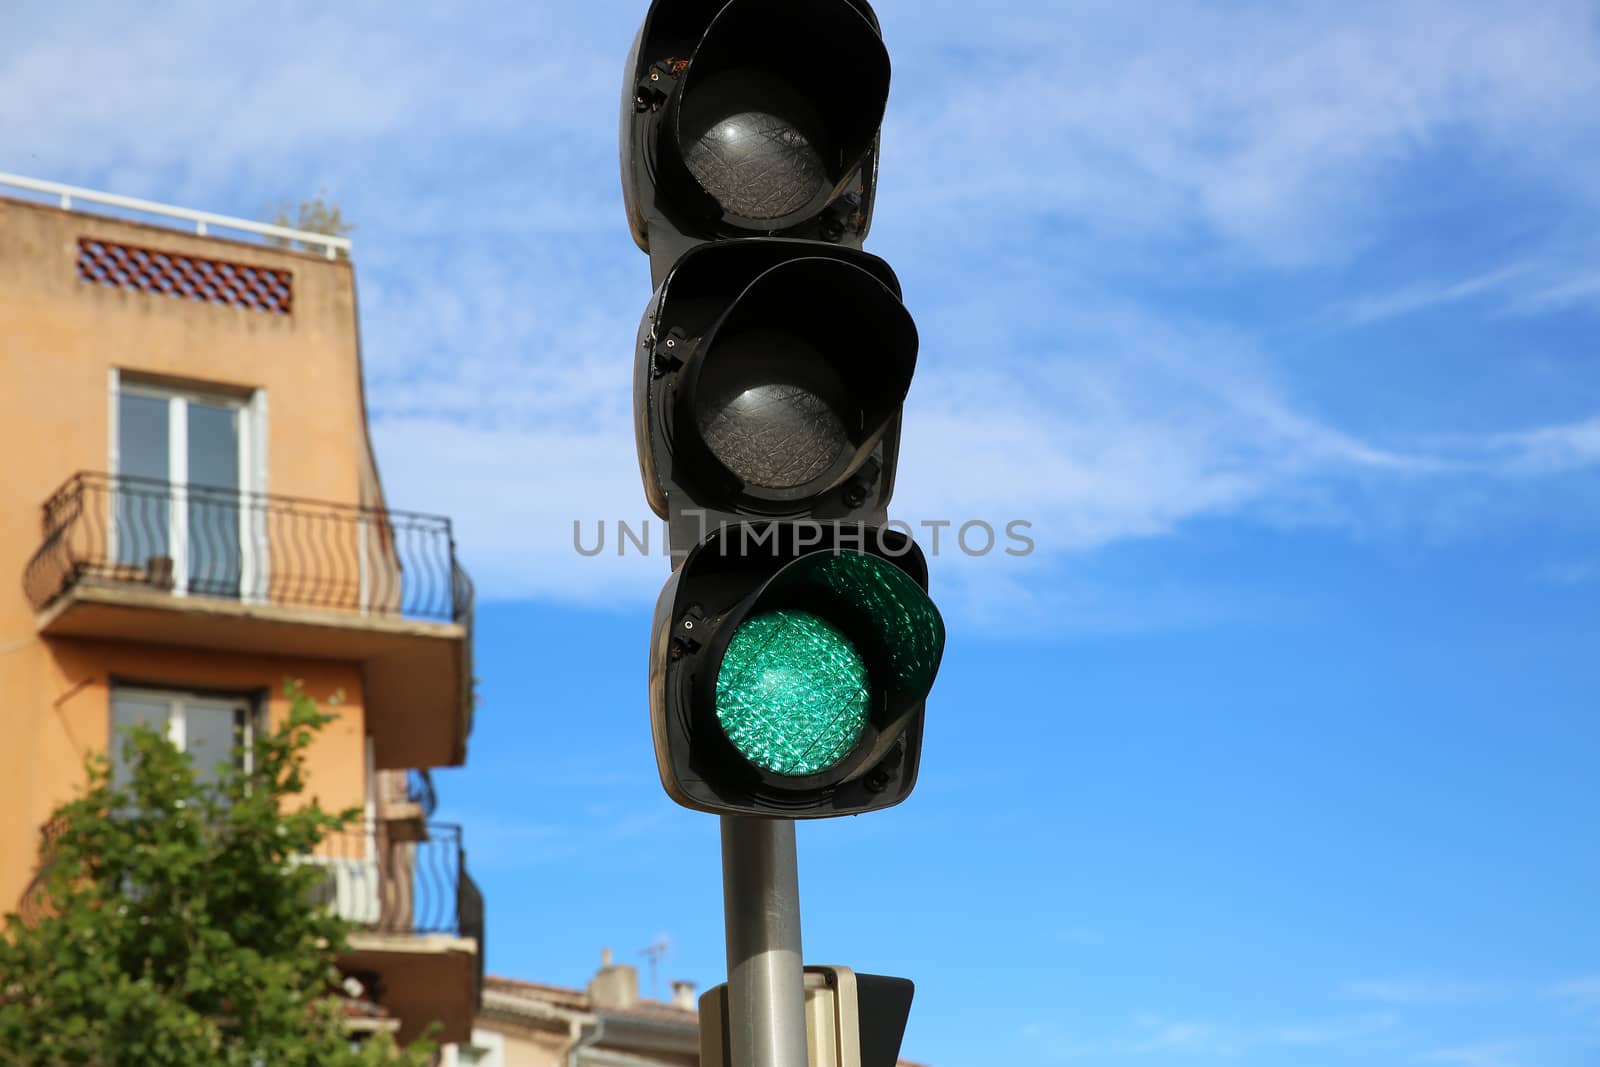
<point x="208" y="727"/>
<point x="185" y="461"/>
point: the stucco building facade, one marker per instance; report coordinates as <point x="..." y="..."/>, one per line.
<point x="193" y="515"/>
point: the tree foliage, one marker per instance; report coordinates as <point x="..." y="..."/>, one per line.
<point x="173" y="926"/>
<point x="317" y="215"/>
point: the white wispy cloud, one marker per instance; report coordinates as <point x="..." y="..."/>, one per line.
<point x="1138" y="425"/>
<point x="515" y="494"/>
<point x="1148" y="1037"/>
<point x="1582" y="994"/>
<point x="1580" y="288"/>
<point x="188" y="98"/>
<point x="1549" y="449"/>
<point x="1424" y="296"/>
<point x="1335" y="1032"/>
<point x="1562" y="280"/>
<point x="1268" y="126"/>
<point x="1161" y="1038"/>
<point x="476" y="149"/>
<point x="1418" y="991"/>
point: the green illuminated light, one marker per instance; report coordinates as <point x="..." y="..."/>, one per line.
<point x="792" y="693"/>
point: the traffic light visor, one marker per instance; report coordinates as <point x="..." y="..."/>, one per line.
<point x="898" y="631"/>
<point x="796" y="383"/>
<point x="779" y="104"/>
<point x="833" y="638"/>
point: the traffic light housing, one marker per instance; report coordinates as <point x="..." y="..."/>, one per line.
<point x="795" y="645"/>
<point x="768" y="383"/>
<point x="789" y="667"/>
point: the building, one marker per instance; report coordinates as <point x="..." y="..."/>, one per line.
<point x="528" y="1024"/>
<point x="192" y="515"/>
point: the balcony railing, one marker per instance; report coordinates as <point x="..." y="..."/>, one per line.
<point x="203" y="221"/>
<point x="194" y="540"/>
<point x="399" y="886"/>
<point x="376" y="883"/>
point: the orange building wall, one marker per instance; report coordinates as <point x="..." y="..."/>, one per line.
<point x="75" y="697"/>
<point x="59" y="339"/>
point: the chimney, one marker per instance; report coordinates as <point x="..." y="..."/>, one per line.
<point x="683" y="995"/>
<point x="614" y="986"/>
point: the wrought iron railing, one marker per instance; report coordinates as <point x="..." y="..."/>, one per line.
<point x="198" y="540"/>
<point x="400" y="886"/>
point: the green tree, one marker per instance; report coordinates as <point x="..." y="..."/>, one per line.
<point x="174" y="925"/>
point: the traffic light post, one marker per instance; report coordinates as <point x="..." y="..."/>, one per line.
<point x="766" y="1024"/>
<point x="795" y="644"/>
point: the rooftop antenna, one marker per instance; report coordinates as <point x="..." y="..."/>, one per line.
<point x="653" y="954"/>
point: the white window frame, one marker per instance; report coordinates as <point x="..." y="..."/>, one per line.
<point x="177" y="701"/>
<point x="491" y="1045"/>
<point x="252" y="475"/>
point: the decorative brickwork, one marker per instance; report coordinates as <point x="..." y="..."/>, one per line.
<point x="215" y="281"/>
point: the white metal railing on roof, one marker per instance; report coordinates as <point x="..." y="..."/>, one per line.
<point x="331" y="246"/>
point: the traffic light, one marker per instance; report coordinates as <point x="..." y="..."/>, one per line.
<point x="795" y="645"/>
<point x="788" y="669"/>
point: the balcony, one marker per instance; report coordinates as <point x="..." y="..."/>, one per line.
<point x="418" y="943"/>
<point x="137" y="559"/>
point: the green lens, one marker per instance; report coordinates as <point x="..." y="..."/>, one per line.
<point x="792" y="693"/>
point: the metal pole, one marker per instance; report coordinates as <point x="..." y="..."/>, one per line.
<point x="761" y="908"/>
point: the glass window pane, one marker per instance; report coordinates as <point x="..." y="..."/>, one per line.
<point x="214" y="555"/>
<point x="142" y="511"/>
<point x="143" y="435"/>
<point x="210" y="731"/>
<point x="127" y="710"/>
<point x="213" y="445"/>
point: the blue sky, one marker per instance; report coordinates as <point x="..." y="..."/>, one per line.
<point x="1276" y="320"/>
